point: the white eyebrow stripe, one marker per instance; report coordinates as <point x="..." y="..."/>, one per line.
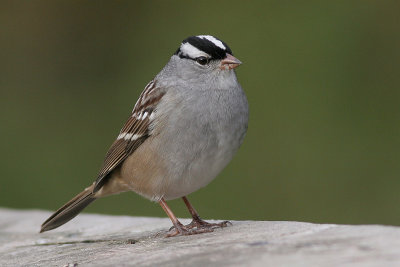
<point x="192" y="51"/>
<point x="213" y="40"/>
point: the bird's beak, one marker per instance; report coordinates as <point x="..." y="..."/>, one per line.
<point x="230" y="62"/>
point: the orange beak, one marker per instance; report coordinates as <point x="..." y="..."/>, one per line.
<point x="230" y="62"/>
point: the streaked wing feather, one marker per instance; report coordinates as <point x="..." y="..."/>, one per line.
<point x="135" y="131"/>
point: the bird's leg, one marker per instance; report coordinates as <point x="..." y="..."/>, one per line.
<point x="178" y="228"/>
<point x="198" y="222"/>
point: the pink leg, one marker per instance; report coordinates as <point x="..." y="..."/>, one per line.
<point x="178" y="228"/>
<point x="198" y="223"/>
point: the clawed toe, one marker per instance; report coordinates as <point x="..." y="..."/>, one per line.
<point x="197" y="226"/>
<point x="224" y="224"/>
<point x="200" y="224"/>
<point x="183" y="230"/>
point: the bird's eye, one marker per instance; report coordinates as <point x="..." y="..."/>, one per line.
<point x="202" y="60"/>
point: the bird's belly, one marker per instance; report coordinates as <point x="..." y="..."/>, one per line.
<point x="197" y="163"/>
<point x="199" y="173"/>
<point x="173" y="173"/>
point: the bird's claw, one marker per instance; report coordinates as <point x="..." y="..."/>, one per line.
<point x="197" y="226"/>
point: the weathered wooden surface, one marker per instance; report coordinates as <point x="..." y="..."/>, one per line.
<point x="97" y="240"/>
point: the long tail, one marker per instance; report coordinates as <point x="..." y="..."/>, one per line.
<point x="69" y="210"/>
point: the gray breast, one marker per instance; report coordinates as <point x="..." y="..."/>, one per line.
<point x="201" y="134"/>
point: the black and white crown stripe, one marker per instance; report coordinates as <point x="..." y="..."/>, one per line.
<point x="203" y="45"/>
<point x="214" y="40"/>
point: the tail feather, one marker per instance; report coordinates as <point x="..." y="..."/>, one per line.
<point x="69" y="210"/>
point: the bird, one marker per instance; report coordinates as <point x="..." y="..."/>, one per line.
<point x="184" y="129"/>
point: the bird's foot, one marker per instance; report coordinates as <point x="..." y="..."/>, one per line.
<point x="197" y="226"/>
<point x="198" y="223"/>
<point x="181" y="229"/>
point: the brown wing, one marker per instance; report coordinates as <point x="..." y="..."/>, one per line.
<point x="135" y="131"/>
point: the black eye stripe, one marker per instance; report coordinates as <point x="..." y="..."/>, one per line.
<point x="194" y="59"/>
<point x="185" y="56"/>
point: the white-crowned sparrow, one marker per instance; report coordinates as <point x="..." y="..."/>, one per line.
<point x="184" y="129"/>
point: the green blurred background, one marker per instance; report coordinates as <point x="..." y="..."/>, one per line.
<point x="322" y="79"/>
